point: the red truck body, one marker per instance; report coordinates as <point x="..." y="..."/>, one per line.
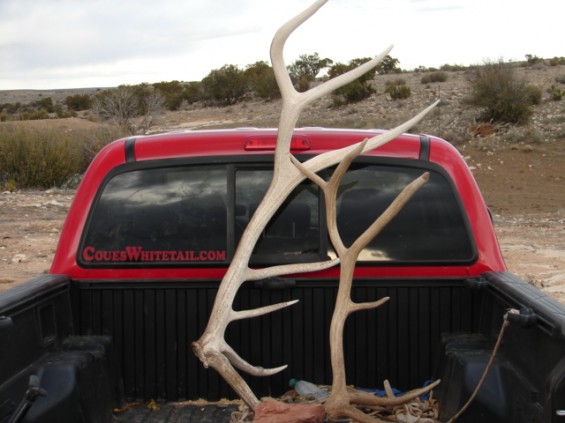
<point x="259" y="141"/>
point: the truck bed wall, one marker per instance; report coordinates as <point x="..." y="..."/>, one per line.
<point x="37" y="340"/>
<point x="37" y="317"/>
<point x="153" y="324"/>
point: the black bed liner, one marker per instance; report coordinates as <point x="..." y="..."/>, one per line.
<point x="177" y="412"/>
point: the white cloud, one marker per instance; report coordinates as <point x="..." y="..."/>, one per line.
<point x="73" y="43"/>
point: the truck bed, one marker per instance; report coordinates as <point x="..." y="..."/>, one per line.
<point x="98" y="346"/>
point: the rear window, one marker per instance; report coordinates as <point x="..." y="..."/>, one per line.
<point x="195" y="215"/>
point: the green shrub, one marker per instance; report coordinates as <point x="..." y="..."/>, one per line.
<point x="388" y="65"/>
<point x="355" y="91"/>
<point x="555" y="61"/>
<point x="193" y="92"/>
<point x="78" y="102"/>
<point x="534" y="94"/>
<point x="302" y="84"/>
<point x="532" y="59"/>
<point x="423" y="69"/>
<point x="502" y="97"/>
<point x="45" y="103"/>
<point x="397" y="89"/>
<point x="261" y="79"/>
<point x="10" y="108"/>
<point x="34" y="115"/>
<point x="556" y="94"/>
<point x="225" y="86"/>
<point x="9" y="186"/>
<point x="46" y="157"/>
<point x="560" y="79"/>
<point x="306" y="68"/>
<point x="172" y="93"/>
<point x="434" y="77"/>
<point x="453" y="68"/>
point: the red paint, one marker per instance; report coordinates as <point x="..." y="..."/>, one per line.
<point x="233" y="142"/>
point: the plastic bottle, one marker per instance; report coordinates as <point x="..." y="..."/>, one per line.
<point x="308" y="390"/>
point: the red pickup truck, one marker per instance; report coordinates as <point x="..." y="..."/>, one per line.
<point x="151" y="232"/>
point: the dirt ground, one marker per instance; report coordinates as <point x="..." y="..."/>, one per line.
<point x="523" y="186"/>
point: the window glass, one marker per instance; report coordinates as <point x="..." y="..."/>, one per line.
<point x="293" y="234"/>
<point x="196" y="215"/>
<point x="430" y="227"/>
<point x="160" y="215"/>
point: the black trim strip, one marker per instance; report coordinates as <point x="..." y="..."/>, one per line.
<point x="424" y="148"/>
<point x="129" y="147"/>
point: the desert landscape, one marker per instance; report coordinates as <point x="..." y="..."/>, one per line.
<point x="519" y="169"/>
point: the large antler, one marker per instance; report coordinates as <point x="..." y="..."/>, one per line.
<point x="211" y="348"/>
<point x="339" y="403"/>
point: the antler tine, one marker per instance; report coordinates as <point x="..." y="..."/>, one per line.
<point x="241" y="364"/>
<point x="330" y="189"/>
<point x="293" y="101"/>
<point x="277" y="46"/>
<point x="382" y="139"/>
<point x="260" y="311"/>
<point x="368" y="399"/>
<point x="341" y="80"/>
<point x="282" y="76"/>
<point x="288" y="269"/>
<point x="391" y="211"/>
<point x="354" y="307"/>
<point x="324" y="160"/>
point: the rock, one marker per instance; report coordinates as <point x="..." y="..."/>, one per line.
<point x="20" y="258"/>
<point x="55" y="203"/>
<point x="271" y="411"/>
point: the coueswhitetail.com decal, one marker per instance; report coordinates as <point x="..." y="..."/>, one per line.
<point x="138" y="254"/>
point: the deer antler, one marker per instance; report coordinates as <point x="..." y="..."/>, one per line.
<point x="211" y="348"/>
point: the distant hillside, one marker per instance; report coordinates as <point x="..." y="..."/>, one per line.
<point x="27" y="96"/>
<point x="454" y="119"/>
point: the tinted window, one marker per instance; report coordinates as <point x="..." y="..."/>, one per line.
<point x="294" y="232"/>
<point x="430" y="227"/>
<point x="160" y="215"/>
<point x="197" y="214"/>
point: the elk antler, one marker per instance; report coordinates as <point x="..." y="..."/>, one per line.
<point x="339" y="403"/>
<point x="211" y="348"/>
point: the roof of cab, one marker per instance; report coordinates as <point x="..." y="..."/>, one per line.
<point x="234" y="141"/>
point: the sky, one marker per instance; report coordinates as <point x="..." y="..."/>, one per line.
<point x="57" y="44"/>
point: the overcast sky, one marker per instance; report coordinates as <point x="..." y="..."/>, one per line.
<point x="47" y="44"/>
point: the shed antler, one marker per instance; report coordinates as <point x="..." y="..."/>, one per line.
<point x="339" y="404"/>
<point x="211" y="348"/>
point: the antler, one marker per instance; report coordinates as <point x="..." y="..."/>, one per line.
<point x="211" y="348"/>
<point x="339" y="403"/>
